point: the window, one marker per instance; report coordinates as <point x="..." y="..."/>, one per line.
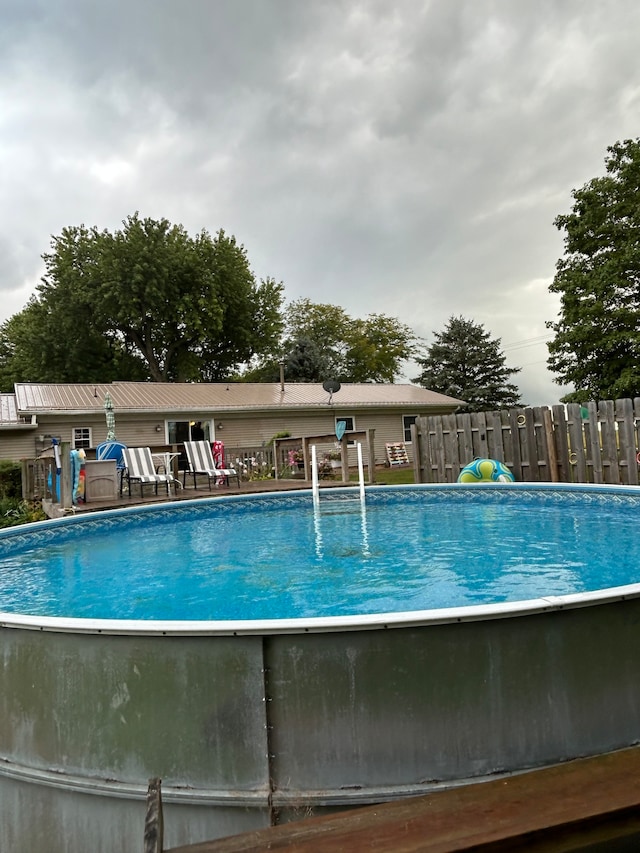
<point x="180" y="431"/>
<point x="407" y="421"/>
<point x="349" y="426"/>
<point x="81" y="437"/>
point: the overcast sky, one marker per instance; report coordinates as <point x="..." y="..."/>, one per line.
<point x="406" y="158"/>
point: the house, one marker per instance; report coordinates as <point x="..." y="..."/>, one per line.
<point x="242" y="415"/>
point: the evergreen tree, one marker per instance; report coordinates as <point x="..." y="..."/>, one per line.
<point x="465" y="363"/>
<point x="597" y="337"/>
<point x="306" y="362"/>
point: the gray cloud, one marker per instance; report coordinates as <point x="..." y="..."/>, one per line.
<point x="405" y="158"/>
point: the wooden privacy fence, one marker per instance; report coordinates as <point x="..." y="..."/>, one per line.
<point x="588" y="443"/>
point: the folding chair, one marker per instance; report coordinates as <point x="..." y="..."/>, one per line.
<point x="200" y="461"/>
<point x="139" y="467"/>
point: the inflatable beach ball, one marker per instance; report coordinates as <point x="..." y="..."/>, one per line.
<point x="486" y="471"/>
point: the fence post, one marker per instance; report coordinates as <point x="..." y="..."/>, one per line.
<point x="27" y="479"/>
<point x="154" y="823"/>
<point x="65" y="475"/>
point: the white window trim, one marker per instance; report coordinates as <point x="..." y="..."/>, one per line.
<point x="406" y="429"/>
<point x="88" y="429"/>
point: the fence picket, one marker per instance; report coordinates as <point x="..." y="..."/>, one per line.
<point x="626" y="438"/>
<point x="452" y="443"/>
<point x="550" y="444"/>
<point x="516" y="464"/>
<point x="438" y="437"/>
<point x="608" y="442"/>
<point x="561" y="438"/>
<point x="592" y="442"/>
<point x="494" y="431"/>
<point x="578" y="455"/>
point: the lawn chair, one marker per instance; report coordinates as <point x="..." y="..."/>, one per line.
<point x="139" y="467"/>
<point x="200" y="460"/>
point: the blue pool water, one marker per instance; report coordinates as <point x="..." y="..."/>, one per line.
<point x="272" y="557"/>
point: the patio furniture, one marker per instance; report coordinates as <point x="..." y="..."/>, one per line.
<point x="139" y="468"/>
<point x="112" y="450"/>
<point x="200" y="460"/>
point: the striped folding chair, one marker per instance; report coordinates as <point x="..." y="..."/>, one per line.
<point x="200" y="461"/>
<point x="139" y="468"/>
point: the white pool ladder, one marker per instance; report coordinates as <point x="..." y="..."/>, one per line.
<point x="347" y="499"/>
<point x="315" y="487"/>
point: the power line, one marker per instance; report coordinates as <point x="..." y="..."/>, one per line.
<point x="527" y="342"/>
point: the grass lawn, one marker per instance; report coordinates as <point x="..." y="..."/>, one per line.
<point x="390" y="476"/>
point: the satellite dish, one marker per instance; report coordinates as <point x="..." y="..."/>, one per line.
<point x="331" y="386"/>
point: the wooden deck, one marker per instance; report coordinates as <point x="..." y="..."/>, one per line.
<point x="189" y="493"/>
<point x="590" y="803"/>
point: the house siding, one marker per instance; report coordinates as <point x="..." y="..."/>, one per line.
<point x="17" y="444"/>
<point x="237" y="431"/>
<point x="246" y="432"/>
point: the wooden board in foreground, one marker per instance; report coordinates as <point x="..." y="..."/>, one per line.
<point x="567" y="807"/>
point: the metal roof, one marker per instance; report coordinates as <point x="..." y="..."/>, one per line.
<point x="8" y="410"/>
<point x="34" y="398"/>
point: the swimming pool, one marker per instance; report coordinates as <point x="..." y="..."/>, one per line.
<point x="256" y="720"/>
<point x="276" y="558"/>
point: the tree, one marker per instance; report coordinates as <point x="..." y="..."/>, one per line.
<point x="344" y="348"/>
<point x="323" y="326"/>
<point x="597" y="337"/>
<point x="322" y="341"/>
<point x="376" y="349"/>
<point x="41" y="344"/>
<point x="146" y="302"/>
<point x="464" y="362"/>
<point x="305" y="361"/>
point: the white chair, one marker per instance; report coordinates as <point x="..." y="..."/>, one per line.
<point x="139" y="467"/>
<point x="200" y="461"/>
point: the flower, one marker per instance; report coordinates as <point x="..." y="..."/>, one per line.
<point x="325" y="470"/>
<point x="295" y="456"/>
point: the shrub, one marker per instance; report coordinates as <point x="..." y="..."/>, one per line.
<point x="10" y="479"/>
<point x="13" y="512"/>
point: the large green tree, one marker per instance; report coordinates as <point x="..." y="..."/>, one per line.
<point x="466" y="363"/>
<point x="145" y="302"/>
<point x="43" y="344"/>
<point x="322" y="341"/>
<point x="597" y="336"/>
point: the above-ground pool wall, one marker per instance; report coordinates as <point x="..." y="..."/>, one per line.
<point x="301" y="722"/>
<point x="376" y="713"/>
<point x="87" y="719"/>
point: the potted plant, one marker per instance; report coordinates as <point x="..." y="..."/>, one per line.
<point x="325" y="469"/>
<point x="296" y="458"/>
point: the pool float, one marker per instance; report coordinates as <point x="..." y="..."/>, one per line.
<point x="486" y="471"/>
